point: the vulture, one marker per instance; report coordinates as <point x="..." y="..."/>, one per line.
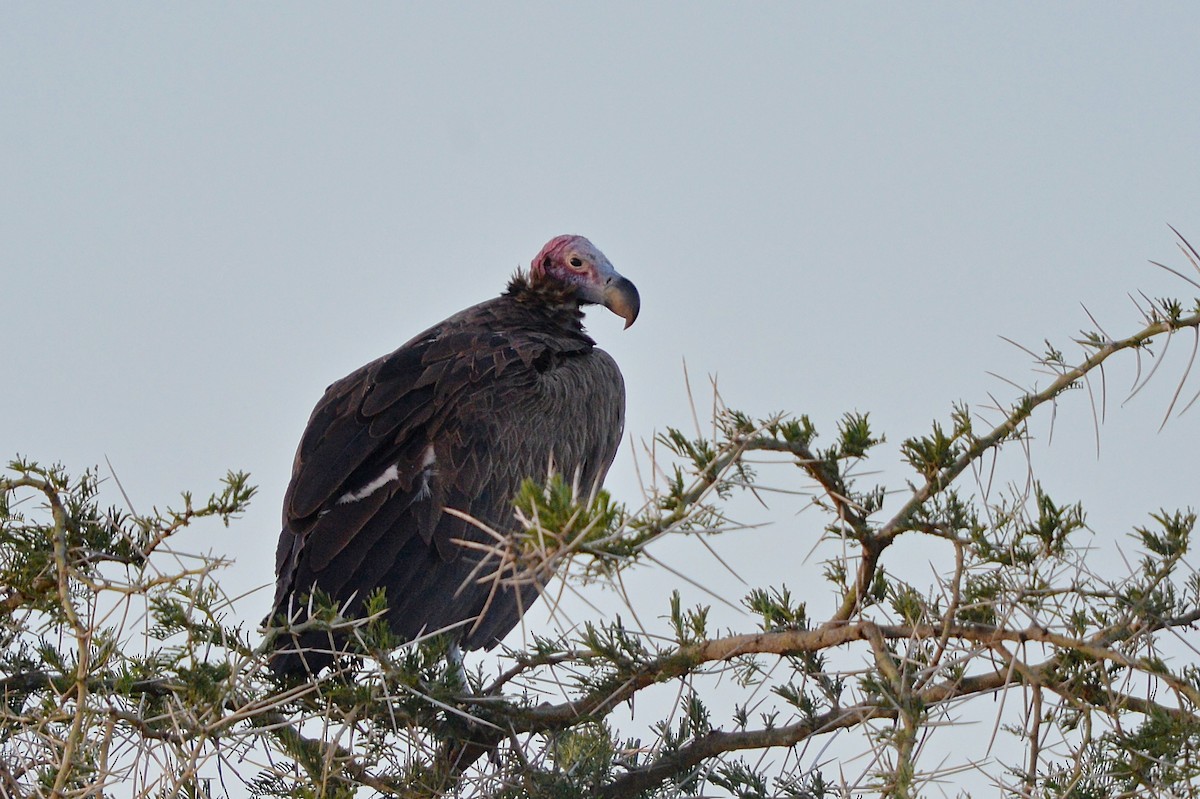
<point x="407" y="462"/>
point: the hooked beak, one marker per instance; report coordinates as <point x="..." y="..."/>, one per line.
<point x="621" y="297"/>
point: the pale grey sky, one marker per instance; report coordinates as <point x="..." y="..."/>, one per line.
<point x="208" y="212"/>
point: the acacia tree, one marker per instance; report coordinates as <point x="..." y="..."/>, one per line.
<point x="125" y="668"/>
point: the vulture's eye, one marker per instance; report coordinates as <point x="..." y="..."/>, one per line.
<point x="576" y="262"/>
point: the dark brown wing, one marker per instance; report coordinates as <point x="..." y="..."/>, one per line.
<point x="456" y="418"/>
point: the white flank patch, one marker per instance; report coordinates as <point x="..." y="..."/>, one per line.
<point x="389" y="474"/>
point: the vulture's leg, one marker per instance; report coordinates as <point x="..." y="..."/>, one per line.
<point x="455" y="656"/>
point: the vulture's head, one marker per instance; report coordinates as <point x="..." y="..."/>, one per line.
<point x="575" y="262"/>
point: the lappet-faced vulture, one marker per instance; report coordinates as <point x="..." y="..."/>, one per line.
<point x="457" y="419"/>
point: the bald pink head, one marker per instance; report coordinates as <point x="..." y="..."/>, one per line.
<point x="575" y="261"/>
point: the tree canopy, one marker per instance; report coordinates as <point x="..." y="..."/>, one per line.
<point x="126" y="669"/>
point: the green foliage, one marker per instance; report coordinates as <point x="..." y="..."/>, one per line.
<point x="557" y="515"/>
<point x="930" y="454"/>
<point x="690" y="626"/>
<point x="778" y="610"/>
